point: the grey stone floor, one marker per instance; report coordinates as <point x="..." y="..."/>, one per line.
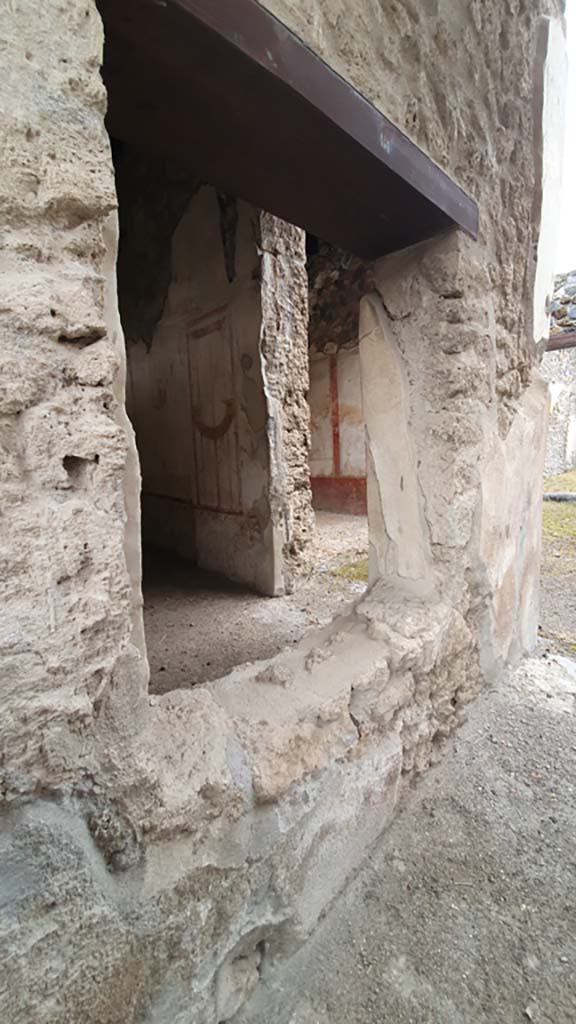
<point x="465" y="912"/>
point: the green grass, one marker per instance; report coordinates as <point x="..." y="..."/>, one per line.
<point x="353" y="571"/>
<point x="559" y="521"/>
<point x="559" y="527"/>
<point x="562" y="482"/>
<point x="559" y="518"/>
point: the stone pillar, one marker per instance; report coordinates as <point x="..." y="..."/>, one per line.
<point x="284" y="354"/>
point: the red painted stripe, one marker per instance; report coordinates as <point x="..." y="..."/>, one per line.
<point x="209" y="312"/>
<point x="340" y="494"/>
<point x="203" y="332"/>
<point x="335" y="415"/>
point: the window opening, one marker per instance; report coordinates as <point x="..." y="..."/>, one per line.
<point x="190" y="303"/>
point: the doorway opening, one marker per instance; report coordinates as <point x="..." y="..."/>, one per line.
<point x="337" y="282"/>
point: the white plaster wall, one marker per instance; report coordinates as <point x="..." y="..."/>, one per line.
<point x="350" y="416"/>
<point x="399" y="547"/>
<point x="321" y="446"/>
<point x="349" y="411"/>
<point x="201" y="372"/>
<point x="510" y="531"/>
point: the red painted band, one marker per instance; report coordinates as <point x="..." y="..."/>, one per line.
<point x="346" y="494"/>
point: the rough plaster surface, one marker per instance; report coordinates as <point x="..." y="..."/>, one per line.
<point x="477" y="537"/>
<point x="161" y="853"/>
<point x="464" y="81"/>
<point x="337" y="282"/>
<point x="284" y="361"/>
<point x="460" y="913"/>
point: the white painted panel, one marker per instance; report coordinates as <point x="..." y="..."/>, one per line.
<point x="351" y="419"/>
<point x="160" y="413"/>
<point x="198" y="403"/>
<point x="321" y="455"/>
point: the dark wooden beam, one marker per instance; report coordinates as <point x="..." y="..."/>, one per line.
<point x="567" y="339"/>
<point x="225" y="86"/>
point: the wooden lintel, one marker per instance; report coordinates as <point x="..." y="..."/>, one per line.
<point x="224" y="85"/>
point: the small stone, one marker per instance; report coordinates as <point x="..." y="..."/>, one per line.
<point x="316" y="656"/>
<point x="275" y="675"/>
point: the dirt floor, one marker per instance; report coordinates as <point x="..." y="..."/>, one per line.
<point x="199" y="626"/>
<point x="465" y="911"/>
<point x="558" y="587"/>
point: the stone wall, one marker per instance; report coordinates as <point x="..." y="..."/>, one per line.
<point x="337" y="281"/>
<point x="559" y="369"/>
<point x="424" y="65"/>
<point x="563" y="305"/>
<point x="160" y="853"/>
<point x="284" y="358"/>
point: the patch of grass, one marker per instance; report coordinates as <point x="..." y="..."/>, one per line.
<point x="559" y="521"/>
<point x="353" y="571"/>
<point x="559" y="537"/>
<point x="559" y="565"/>
<point x="562" y="482"/>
